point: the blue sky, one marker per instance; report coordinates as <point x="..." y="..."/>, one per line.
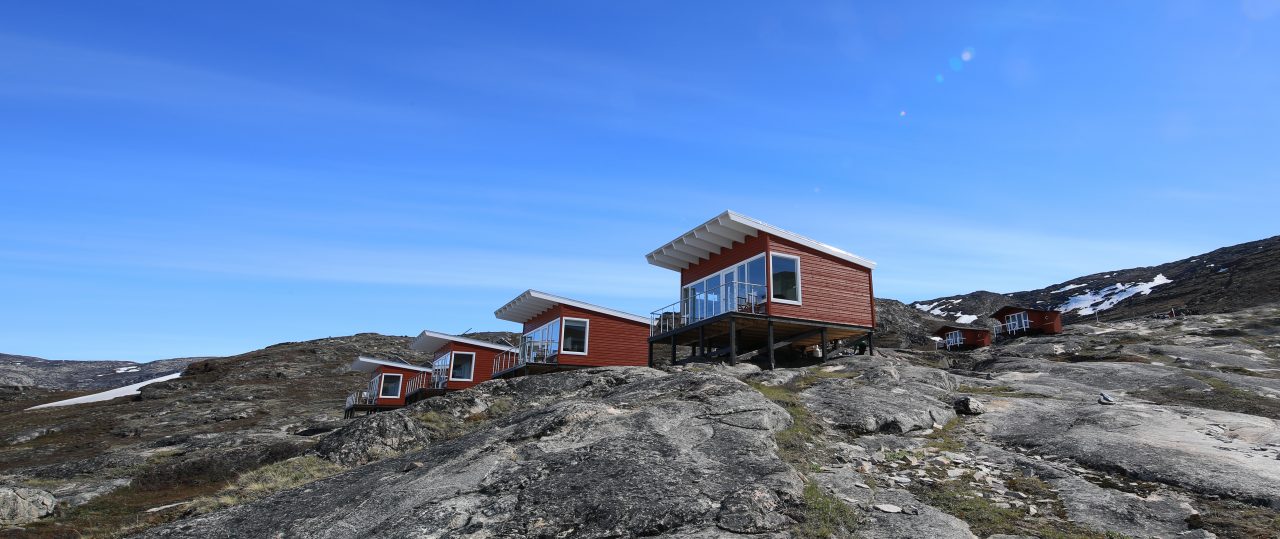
<point x="206" y="179"/>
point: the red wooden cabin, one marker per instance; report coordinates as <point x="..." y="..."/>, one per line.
<point x="561" y="333"/>
<point x="747" y="286"/>
<point x="1026" y="321"/>
<point x="953" y="337"/>
<point x="457" y="362"/>
<point x="388" y="385"/>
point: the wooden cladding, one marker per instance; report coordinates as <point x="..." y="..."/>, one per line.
<point x="611" y="341"/>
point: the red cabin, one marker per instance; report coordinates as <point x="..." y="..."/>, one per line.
<point x="954" y="337"/>
<point x="1027" y="321"/>
<point x="561" y="333"/>
<point x="457" y="362"/>
<point x="388" y="385"/>
<point x="747" y="286"/>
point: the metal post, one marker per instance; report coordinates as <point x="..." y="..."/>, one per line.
<point x="702" y="340"/>
<point x="650" y="354"/>
<point x="673" y="350"/>
<point x="772" y="363"/>
<point x="733" y="341"/>
<point x="871" y="342"/>
<point x="823" y="348"/>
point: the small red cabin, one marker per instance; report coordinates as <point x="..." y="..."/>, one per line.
<point x="561" y="333"/>
<point x="388" y="386"/>
<point x="457" y="362"/>
<point x="747" y="286"/>
<point x="1026" y="321"/>
<point x="953" y="337"/>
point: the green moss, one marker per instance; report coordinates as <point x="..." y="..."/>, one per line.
<point x="945" y="438"/>
<point x="1222" y="396"/>
<point x="443" y="426"/>
<point x="799" y="444"/>
<point x="985" y="518"/>
<point x="1230" y="518"/>
<point x="824" y="515"/>
<point x="268" y="480"/>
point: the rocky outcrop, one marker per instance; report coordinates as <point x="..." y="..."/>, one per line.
<point x="595" y="453"/>
<point x="374" y="438"/>
<point x="868" y="409"/>
<point x="20" y="505"/>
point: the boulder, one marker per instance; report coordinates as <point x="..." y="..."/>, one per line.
<point x="969" y="406"/>
<point x="20" y="505"/>
<point x="866" y="409"/>
<point x="374" y="437"/>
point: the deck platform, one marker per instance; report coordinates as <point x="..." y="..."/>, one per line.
<point x="746" y="335"/>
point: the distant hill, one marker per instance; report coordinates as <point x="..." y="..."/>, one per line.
<point x="1224" y="280"/>
<point x="34" y="372"/>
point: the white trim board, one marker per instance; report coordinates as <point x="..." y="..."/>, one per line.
<point x="722" y="231"/>
<point x="532" y="303"/>
<point x="430" y="341"/>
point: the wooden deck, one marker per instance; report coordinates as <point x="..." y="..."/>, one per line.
<point x="743" y="335"/>
<point x="527" y="369"/>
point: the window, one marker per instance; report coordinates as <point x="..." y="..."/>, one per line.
<point x="540" y="345"/>
<point x="463" y="365"/>
<point x="574" y="340"/>
<point x="1017" y="321"/>
<point x="786" y="278"/>
<point x="739" y="287"/>
<point x="390" y="386"/>
<point x="954" y="338"/>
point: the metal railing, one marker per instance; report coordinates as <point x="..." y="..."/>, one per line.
<point x="1013" y="327"/>
<point x="439" y="377"/>
<point x="730" y="297"/>
<point x="359" y="398"/>
<point x="543" y="352"/>
<point x="420" y="381"/>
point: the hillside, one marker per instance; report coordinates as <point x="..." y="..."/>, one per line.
<point x="61" y="375"/>
<point x="865" y="446"/>
<point x="1224" y="280"/>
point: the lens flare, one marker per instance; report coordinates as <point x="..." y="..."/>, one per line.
<point x="938" y="78"/>
<point x="956" y="64"/>
<point x="967" y="54"/>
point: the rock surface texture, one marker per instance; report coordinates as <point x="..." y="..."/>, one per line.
<point x="610" y="453"/>
<point x="22" y="505"/>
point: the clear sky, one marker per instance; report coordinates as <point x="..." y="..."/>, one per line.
<point x="183" y="178"/>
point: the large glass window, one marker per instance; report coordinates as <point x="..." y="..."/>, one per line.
<point x="786" y="278"/>
<point x="541" y="344"/>
<point x="463" y="365"/>
<point x="390" y="386"/>
<point x="739" y="287"/>
<point x="575" y="336"/>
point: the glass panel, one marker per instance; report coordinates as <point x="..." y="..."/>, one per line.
<point x="786" y="278"/>
<point x="756" y="276"/>
<point x="390" y="386"/>
<point x="462" y="363"/>
<point x="575" y="336"/>
<point x="712" y="303"/>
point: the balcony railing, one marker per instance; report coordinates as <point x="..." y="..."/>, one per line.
<point x="542" y="352"/>
<point x="359" y="398"/>
<point x="1013" y="327"/>
<point x="439" y="377"/>
<point x="729" y="297"/>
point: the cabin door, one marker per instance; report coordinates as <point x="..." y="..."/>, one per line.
<point x="729" y="298"/>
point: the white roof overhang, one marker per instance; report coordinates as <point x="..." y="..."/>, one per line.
<point x="722" y="231"/>
<point x="533" y="303"/>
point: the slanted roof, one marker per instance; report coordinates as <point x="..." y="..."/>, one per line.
<point x="533" y="303"/>
<point x="430" y="341"/>
<point x="370" y="364"/>
<point x="956" y="327"/>
<point x="722" y="231"/>
<point x="1010" y="309"/>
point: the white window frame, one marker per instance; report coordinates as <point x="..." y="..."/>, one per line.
<point x="471" y="375"/>
<point x="768" y="278"/>
<point x="586" y="338"/>
<point x="959" y="338"/>
<point x="382" y="384"/>
<point x="799" y="281"/>
<point x="1021" y="319"/>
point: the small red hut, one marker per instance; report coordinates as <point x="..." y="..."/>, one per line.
<point x="748" y="288"/>
<point x="457" y="362"/>
<point x="955" y="337"/>
<point x="388" y="385"/>
<point x="561" y="333"/>
<point x="1027" y="321"/>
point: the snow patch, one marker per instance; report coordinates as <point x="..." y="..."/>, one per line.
<point x="1091" y="302"/>
<point x="125" y="391"/>
<point x="122" y="370"/>
<point x="966" y="318"/>
<point x="1066" y="288"/>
